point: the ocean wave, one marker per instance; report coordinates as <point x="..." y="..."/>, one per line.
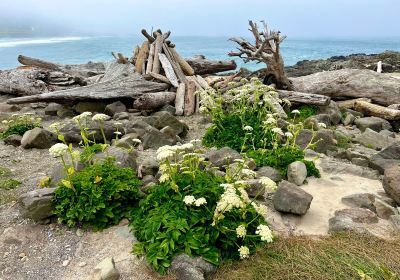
<point x="18" y="42"/>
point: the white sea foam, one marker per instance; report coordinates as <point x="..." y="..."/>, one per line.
<point x="25" y="41"/>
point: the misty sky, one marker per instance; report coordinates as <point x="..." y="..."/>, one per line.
<point x="296" y="18"/>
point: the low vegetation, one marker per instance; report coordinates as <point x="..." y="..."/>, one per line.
<point x="19" y="124"/>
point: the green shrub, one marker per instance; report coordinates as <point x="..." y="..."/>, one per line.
<point x="306" y="111"/>
<point x="188" y="213"/>
<point x="312" y="170"/>
<point x="98" y="196"/>
<point x="19" y="124"/>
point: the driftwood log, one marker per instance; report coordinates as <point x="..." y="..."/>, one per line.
<point x="154" y="100"/>
<point x="190" y="100"/>
<point x="132" y="86"/>
<point x="202" y="66"/>
<point x="24" y="81"/>
<point x="370" y="109"/>
<point x="304" y="98"/>
<point x="186" y="68"/>
<point x="266" y="49"/>
<point x="382" y="89"/>
<point x="168" y="69"/>
<point x="141" y="57"/>
<point x="180" y="99"/>
<point x="349" y="104"/>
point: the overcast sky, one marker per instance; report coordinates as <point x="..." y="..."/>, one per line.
<point x="296" y="18"/>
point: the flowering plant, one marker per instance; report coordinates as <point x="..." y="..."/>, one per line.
<point x="195" y="211"/>
<point x="19" y="124"/>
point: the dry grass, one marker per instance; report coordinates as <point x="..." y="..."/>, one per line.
<point x="339" y="257"/>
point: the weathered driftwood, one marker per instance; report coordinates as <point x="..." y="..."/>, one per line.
<point x="370" y="109"/>
<point x="150" y="60"/>
<point x="116" y="70"/>
<point x="157" y="50"/>
<point x="202" y="82"/>
<point x="190" y="101"/>
<point x="158" y="77"/>
<point x="80" y="71"/>
<point x="186" y="68"/>
<point x="141" y="58"/>
<point x="265" y="49"/>
<point x="154" y="100"/>
<point x="212" y="80"/>
<point x="180" y="99"/>
<point x="24" y="81"/>
<point x="132" y="86"/>
<point x="349" y="104"/>
<point x="382" y="89"/>
<point x="174" y="63"/>
<point x="305" y="98"/>
<point x="202" y="66"/>
<point x="169" y="71"/>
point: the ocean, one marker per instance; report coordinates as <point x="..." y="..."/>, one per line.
<point x="71" y="50"/>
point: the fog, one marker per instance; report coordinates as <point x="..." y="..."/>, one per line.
<point x="296" y="18"/>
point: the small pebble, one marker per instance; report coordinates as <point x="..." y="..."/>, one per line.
<point x="21" y="255"/>
<point x="82" y="264"/>
<point x="79" y="232"/>
<point x="65" y="263"/>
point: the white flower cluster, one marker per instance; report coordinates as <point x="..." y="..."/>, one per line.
<point x="248" y="174"/>
<point x="244" y="252"/>
<point x="321" y="125"/>
<point x="265" y="233"/>
<point x="261" y="209"/>
<point x="248" y="128"/>
<point x="229" y="200"/>
<point x="241" y="231"/>
<point x="190" y="200"/>
<point x="268" y="183"/>
<point x="101" y="117"/>
<point x="58" y="150"/>
<point x="277" y="130"/>
<point x="296" y="112"/>
<point x="81" y="117"/>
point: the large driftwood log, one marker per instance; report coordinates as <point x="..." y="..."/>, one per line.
<point x="116" y="70"/>
<point x="150" y="60"/>
<point x="154" y="100"/>
<point x="305" y="98"/>
<point x="370" y="109"/>
<point x="158" y="77"/>
<point x="382" y="89"/>
<point x="180" y="99"/>
<point x="174" y="63"/>
<point x="186" y="68"/>
<point x="190" y="101"/>
<point x="142" y="56"/>
<point x="23" y="81"/>
<point x="132" y="86"/>
<point x="80" y="71"/>
<point x="349" y="104"/>
<point x="169" y="71"/>
<point x="202" y="66"/>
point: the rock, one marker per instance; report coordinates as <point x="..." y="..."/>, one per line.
<point x="65" y="113"/>
<point x="269" y="172"/>
<point x="348" y="131"/>
<point x="123" y="157"/>
<point x="332" y="111"/>
<point x="164" y="119"/>
<point x="394" y="106"/>
<point x="360" y="162"/>
<point x="52" y="109"/>
<point x="360" y="152"/>
<point x="188" y="268"/>
<point x="169" y="131"/>
<point x="304" y="138"/>
<point x="168" y="108"/>
<point x="374" y="123"/>
<point x="147" y="164"/>
<point x="66" y="263"/>
<point x="148" y="179"/>
<point x="153" y="138"/>
<point x="13" y="140"/>
<point x="360" y="200"/>
<point x="388" y="133"/>
<point x="349" y="119"/>
<point x="345" y="224"/>
<point x="313" y="121"/>
<point x="372" y="139"/>
<point x="121" y="116"/>
<point x="255" y="188"/>
<point x="297" y="173"/>
<point x="106" y="270"/>
<point x="384" y="210"/>
<point x="7" y="108"/>
<point x="222" y="157"/>
<point x="113" y="108"/>
<point x="391" y="152"/>
<point x="38" y="138"/>
<point x="391" y="183"/>
<point x="291" y="199"/>
<point x="37" y="204"/>
<point x="358" y="215"/>
<point x="72" y="134"/>
<point x="395" y="220"/>
<point x="334" y="166"/>
<point x="128" y="141"/>
<point x="381" y="164"/>
<point x="325" y="137"/>
<point x="90" y="106"/>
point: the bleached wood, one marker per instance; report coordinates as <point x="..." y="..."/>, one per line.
<point x="189" y="107"/>
<point x="169" y="71"/>
<point x="374" y="110"/>
<point x="154" y="100"/>
<point x="180" y="99"/>
<point x="186" y="68"/>
<point x="150" y="59"/>
<point x="141" y="57"/>
<point x="175" y="65"/>
<point x="157" y="50"/>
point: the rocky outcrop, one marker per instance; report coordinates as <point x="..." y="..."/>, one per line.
<point x="38" y="138"/>
<point x="291" y="199"/>
<point x="37" y="204"/>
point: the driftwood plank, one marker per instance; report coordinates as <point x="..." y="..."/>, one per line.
<point x="141" y="58"/>
<point x="169" y="71"/>
<point x="150" y="60"/>
<point x="175" y="65"/>
<point x="129" y="87"/>
<point x="202" y="66"/>
<point x="157" y="50"/>
<point x="370" y="109"/>
<point x="154" y="100"/>
<point x="190" y="98"/>
<point x="186" y="68"/>
<point x="306" y="98"/>
<point x="180" y="99"/>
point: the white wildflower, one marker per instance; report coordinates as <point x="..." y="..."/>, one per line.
<point x="265" y="233"/>
<point x="248" y="128"/>
<point x="296" y="112"/>
<point x="189" y="199"/>
<point x="277" y="130"/>
<point x="203" y="109"/>
<point x="200" y="201"/>
<point x="261" y="209"/>
<point x="241" y="231"/>
<point x="270" y="120"/>
<point x="187" y="146"/>
<point x="164" y="155"/>
<point x="268" y="183"/>
<point x="58" y="150"/>
<point x="118" y="123"/>
<point x="135" y="140"/>
<point x="288" y="134"/>
<point x="244" y="252"/>
<point x="101" y="117"/>
<point x="248" y="173"/>
<point x="55" y="125"/>
<point x="4" y="122"/>
<point x="82" y="116"/>
<point x="239" y="160"/>
<point x="164" y="177"/>
<point x="118" y="133"/>
<point x="322" y="125"/>
<point x="244" y="195"/>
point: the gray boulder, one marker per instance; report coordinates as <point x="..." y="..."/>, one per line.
<point x="188" y="268"/>
<point x="391" y="182"/>
<point x="374" y="123"/>
<point x="360" y="200"/>
<point x="395" y="219"/>
<point x="222" y="157"/>
<point x="374" y="140"/>
<point x="38" y="138"/>
<point x="164" y="118"/>
<point x="348" y="119"/>
<point x="168" y="108"/>
<point x="325" y="137"/>
<point x="121" y="116"/>
<point x="297" y="172"/>
<point x="37" y="204"/>
<point x="333" y="111"/>
<point x="384" y="210"/>
<point x="353" y="220"/>
<point x="269" y="172"/>
<point x="13" y="140"/>
<point x="72" y="134"/>
<point x="147" y="164"/>
<point x="153" y="138"/>
<point x="255" y="188"/>
<point x="52" y="108"/>
<point x="90" y="106"/>
<point x="291" y="199"/>
<point x="123" y="157"/>
<point x="358" y="215"/>
<point x="115" y="107"/>
<point x="65" y="113"/>
<point x="106" y="270"/>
